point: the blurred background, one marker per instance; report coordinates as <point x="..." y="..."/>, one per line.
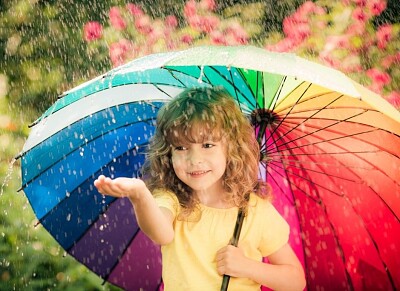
<point x="48" y="47"/>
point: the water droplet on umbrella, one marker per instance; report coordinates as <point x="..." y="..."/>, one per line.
<point x="200" y="79"/>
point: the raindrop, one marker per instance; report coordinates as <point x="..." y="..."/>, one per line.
<point x="200" y="79"/>
<point x="69" y="217"/>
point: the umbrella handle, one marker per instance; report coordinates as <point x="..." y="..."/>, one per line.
<point x="234" y="241"/>
<point x="225" y="282"/>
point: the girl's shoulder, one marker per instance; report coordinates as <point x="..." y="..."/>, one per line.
<point x="259" y="202"/>
<point x="166" y="198"/>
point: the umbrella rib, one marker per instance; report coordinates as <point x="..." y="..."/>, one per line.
<point x="172" y="70"/>
<point x="276" y="152"/>
<point x="122" y="254"/>
<point x="326" y="128"/>
<point x="233" y="83"/>
<point x="55" y="162"/>
<point x="278" y="93"/>
<point x="366" y="229"/>
<point x="162" y="91"/>
<point x="66" y="197"/>
<point x="296" y="209"/>
<point x="236" y="91"/>
<point x="326" y="164"/>
<point x="321" y="203"/>
<point x="373" y="167"/>
<point x="309" y="117"/>
<point x="281" y="120"/>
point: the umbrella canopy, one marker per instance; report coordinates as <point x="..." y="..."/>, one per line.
<point x="330" y="150"/>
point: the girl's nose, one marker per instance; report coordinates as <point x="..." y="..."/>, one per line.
<point x="195" y="157"/>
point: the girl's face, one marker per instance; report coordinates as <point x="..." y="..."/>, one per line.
<point x="201" y="164"/>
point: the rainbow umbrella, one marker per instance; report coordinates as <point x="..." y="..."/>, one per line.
<point x="330" y="150"/>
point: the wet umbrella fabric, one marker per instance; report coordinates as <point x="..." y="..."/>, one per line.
<point x="330" y="150"/>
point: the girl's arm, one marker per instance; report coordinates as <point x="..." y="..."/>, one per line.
<point x="154" y="221"/>
<point x="283" y="272"/>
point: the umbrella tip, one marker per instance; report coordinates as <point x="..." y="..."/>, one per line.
<point x="33" y="123"/>
<point x="61" y="96"/>
<point x="18" y="156"/>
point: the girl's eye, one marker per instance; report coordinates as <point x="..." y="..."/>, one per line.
<point x="208" y="145"/>
<point x="180" y="148"/>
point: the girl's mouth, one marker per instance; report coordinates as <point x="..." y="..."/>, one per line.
<point x="197" y="173"/>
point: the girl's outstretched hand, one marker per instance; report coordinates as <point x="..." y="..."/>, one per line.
<point x="120" y="187"/>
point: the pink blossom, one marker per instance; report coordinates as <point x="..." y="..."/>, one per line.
<point x="204" y="23"/>
<point x="394" y="99"/>
<point x="238" y="34"/>
<point x="186" y="38"/>
<point x="361" y="3"/>
<point x="384" y="35"/>
<point x="297" y="30"/>
<point x="336" y="41"/>
<point x="376" y="6"/>
<point x="209" y="23"/>
<point x="143" y="24"/>
<point x="209" y="5"/>
<point x="134" y="9"/>
<point x="190" y="9"/>
<point x="379" y="76"/>
<point x="359" y="15"/>
<point x="116" y="19"/>
<point x="379" y="79"/>
<point x="120" y="52"/>
<point x="329" y="60"/>
<point x="357" y="28"/>
<point x="351" y="64"/>
<point x="92" y="30"/>
<point x="285" y="45"/>
<point x="171" y="21"/>
<point x="217" y="38"/>
<point x="389" y="60"/>
<point x="310" y="7"/>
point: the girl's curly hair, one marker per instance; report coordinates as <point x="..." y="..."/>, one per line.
<point x="214" y="112"/>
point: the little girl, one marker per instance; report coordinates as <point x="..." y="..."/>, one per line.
<point x="202" y="166"/>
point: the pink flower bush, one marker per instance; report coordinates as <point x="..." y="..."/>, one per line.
<point x="384" y="35"/>
<point x="132" y="32"/>
<point x="134" y="10"/>
<point x="341" y="34"/>
<point x="347" y="39"/>
<point x="120" y="51"/>
<point x="394" y="99"/>
<point x="379" y="79"/>
<point x="92" y="30"/>
<point x="116" y="19"/>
